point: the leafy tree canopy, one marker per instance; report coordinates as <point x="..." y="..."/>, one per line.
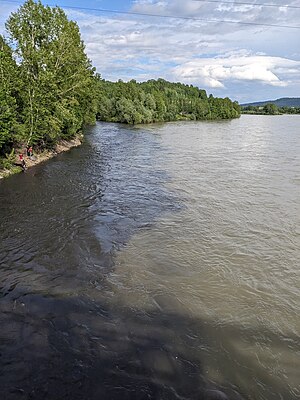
<point x="159" y="100"/>
<point x="53" y="78"/>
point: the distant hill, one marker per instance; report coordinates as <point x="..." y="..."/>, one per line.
<point x="283" y="102"/>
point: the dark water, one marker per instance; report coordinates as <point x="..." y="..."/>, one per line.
<point x="159" y="262"/>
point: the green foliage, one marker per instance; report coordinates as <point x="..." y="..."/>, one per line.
<point x="51" y="92"/>
<point x="270" y="109"/>
<point x="10" y="128"/>
<point x="159" y="100"/>
<point x="8" y="161"/>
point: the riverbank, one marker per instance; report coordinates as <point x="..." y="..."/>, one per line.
<point x="38" y="158"/>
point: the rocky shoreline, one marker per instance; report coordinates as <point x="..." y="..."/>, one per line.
<point x="38" y="158"/>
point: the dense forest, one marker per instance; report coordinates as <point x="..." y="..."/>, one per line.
<point x="49" y="89"/>
<point x="159" y="100"/>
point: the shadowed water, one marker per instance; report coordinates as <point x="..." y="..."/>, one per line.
<point x="158" y="262"/>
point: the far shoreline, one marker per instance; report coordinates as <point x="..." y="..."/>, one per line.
<point x="269" y="115"/>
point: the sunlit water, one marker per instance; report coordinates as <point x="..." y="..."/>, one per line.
<point x="155" y="262"/>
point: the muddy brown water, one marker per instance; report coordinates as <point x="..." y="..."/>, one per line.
<point x="155" y="262"/>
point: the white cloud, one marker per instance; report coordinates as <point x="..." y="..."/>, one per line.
<point x="215" y="72"/>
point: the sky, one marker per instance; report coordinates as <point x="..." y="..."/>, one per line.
<point x="243" y="61"/>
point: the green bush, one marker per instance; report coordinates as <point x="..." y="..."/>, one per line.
<point x="8" y="161"/>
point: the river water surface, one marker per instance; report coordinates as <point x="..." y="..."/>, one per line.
<point x="155" y="262"/>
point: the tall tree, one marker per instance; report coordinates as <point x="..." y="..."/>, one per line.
<point x="55" y="70"/>
<point x="271" y="108"/>
<point x="9" y="126"/>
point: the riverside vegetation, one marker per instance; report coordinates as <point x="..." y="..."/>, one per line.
<point x="270" y="109"/>
<point x="49" y="89"/>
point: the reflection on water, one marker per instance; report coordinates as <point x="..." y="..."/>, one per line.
<point x="155" y="262"/>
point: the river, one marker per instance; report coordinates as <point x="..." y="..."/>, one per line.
<point x="155" y="262"/>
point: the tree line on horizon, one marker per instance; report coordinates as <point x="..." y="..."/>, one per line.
<point x="49" y="89"/>
<point x="269" y="109"/>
